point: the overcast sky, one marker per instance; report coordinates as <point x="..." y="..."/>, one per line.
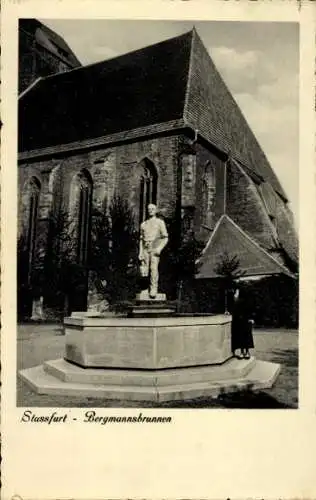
<point x="258" y="61"/>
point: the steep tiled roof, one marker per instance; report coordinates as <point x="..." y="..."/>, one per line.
<point x="211" y="109"/>
<point x="138" y="89"/>
<point x="171" y="80"/>
<point x="228" y="238"/>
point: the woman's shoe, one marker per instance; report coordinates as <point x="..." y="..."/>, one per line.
<point x="247" y="355"/>
<point x="237" y="356"/>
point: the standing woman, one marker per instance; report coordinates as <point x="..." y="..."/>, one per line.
<point x="242" y="337"/>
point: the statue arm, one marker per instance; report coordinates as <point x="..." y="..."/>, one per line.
<point x="163" y="238"/>
<point x="141" y="245"/>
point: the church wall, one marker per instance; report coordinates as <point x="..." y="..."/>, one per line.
<point x="26" y="58"/>
<point x="246" y="208"/>
<point x="112" y="170"/>
<point x="42" y="171"/>
<point x="163" y="153"/>
<point x="209" y="191"/>
<point x="35" y="59"/>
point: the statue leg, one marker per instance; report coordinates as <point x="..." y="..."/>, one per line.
<point x="144" y="267"/>
<point x="154" y="276"/>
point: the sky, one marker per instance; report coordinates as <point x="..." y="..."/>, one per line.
<point x="258" y="61"/>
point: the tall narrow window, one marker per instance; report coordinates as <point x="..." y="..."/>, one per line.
<point x="208" y="195"/>
<point x="148" y="188"/>
<point x="80" y="200"/>
<point x="84" y="221"/>
<point x="34" y="193"/>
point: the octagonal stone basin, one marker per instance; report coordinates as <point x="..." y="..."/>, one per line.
<point x="147" y="343"/>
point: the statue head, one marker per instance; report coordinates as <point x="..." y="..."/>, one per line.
<point x="236" y="293"/>
<point x="152" y="210"/>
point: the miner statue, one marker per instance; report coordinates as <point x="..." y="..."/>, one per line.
<point x="153" y="239"/>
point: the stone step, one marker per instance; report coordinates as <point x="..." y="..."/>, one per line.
<point x="44" y="383"/>
<point x="144" y="296"/>
<point x="150" y="313"/>
<point x="149" y="307"/>
<point x="155" y="303"/>
<point x="261" y="376"/>
<point x="68" y="372"/>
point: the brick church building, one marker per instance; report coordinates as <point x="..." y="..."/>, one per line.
<point x="41" y="53"/>
<point x="154" y="125"/>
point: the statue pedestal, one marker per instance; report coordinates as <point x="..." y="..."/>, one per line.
<point x="146" y="307"/>
<point x="144" y="296"/>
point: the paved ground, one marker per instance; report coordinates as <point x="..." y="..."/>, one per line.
<point x="38" y="343"/>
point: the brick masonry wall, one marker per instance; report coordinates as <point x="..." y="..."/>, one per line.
<point x="115" y="169"/>
<point x="26" y="60"/>
<point x="209" y="205"/>
<point x="245" y="207"/>
<point x="35" y="60"/>
<point x="180" y="167"/>
<point x="163" y="153"/>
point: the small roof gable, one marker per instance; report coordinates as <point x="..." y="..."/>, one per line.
<point x="228" y="238"/>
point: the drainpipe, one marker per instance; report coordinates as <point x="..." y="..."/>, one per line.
<point x="224" y="213"/>
<point x="225" y="184"/>
<point x="196" y="132"/>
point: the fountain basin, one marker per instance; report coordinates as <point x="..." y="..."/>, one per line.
<point x="148" y="343"/>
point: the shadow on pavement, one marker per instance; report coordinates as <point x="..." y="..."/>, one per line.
<point x="252" y="400"/>
<point x="237" y="400"/>
<point x="287" y="357"/>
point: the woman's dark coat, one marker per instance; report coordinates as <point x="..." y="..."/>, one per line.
<point x="241" y="326"/>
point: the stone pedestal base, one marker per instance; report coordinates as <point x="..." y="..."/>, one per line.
<point x="145" y="307"/>
<point x="147" y="343"/>
<point x="148" y="359"/>
<point x="62" y="378"/>
<point x="144" y="295"/>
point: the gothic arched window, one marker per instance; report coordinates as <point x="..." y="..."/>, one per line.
<point x="80" y="200"/>
<point x="34" y="194"/>
<point x="148" y="188"/>
<point x="208" y="195"/>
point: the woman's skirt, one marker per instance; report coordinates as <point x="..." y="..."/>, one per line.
<point x="242" y="337"/>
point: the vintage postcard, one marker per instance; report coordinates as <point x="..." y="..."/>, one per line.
<point x="158" y="250"/>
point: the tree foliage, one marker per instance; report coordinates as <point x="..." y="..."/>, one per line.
<point x="113" y="255"/>
<point x="228" y="268"/>
<point x="180" y="266"/>
<point x="24" y="296"/>
<point x="64" y="276"/>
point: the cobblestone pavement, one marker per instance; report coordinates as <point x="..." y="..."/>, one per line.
<point x="38" y="343"/>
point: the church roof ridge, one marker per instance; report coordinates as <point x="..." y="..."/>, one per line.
<point x="170" y="80"/>
<point x="214" y="112"/>
<point x="134" y="90"/>
<point x="124" y="54"/>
